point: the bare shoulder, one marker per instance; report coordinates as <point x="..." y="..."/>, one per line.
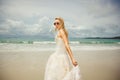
<point x="62" y="32"/>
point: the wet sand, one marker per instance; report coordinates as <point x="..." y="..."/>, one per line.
<point x="30" y="65"/>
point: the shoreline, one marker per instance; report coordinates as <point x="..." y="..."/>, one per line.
<point x="45" y="47"/>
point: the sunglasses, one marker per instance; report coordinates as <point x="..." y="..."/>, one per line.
<point x="56" y="23"/>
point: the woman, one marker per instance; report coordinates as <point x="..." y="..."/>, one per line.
<point x="58" y="65"/>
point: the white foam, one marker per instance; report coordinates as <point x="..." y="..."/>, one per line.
<point x="44" y="42"/>
<point x="95" y="47"/>
<point x="52" y="47"/>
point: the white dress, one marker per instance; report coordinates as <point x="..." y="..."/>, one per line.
<point x="58" y="64"/>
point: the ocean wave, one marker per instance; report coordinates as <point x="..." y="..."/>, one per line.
<point x="51" y="47"/>
<point x="53" y="42"/>
<point x="43" y="42"/>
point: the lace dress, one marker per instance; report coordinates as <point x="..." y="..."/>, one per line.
<point x="58" y="64"/>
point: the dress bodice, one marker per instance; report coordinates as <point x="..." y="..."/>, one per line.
<point x="60" y="46"/>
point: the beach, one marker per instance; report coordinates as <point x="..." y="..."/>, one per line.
<point x="28" y="61"/>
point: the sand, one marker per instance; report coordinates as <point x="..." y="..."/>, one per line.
<point x="30" y="65"/>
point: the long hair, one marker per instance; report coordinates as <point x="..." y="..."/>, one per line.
<point x="62" y="25"/>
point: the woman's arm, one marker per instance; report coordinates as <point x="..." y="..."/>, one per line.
<point x="65" y="39"/>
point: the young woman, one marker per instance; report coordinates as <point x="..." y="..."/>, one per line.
<point x="58" y="65"/>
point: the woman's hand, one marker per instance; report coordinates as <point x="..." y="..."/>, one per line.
<point x="74" y="62"/>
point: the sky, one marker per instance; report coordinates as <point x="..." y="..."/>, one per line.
<point x="83" y="18"/>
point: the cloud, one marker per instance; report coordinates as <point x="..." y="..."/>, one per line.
<point x="15" y="27"/>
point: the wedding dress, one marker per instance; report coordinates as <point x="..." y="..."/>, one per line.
<point x="58" y="64"/>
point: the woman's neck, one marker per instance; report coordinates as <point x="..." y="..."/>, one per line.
<point x="59" y="29"/>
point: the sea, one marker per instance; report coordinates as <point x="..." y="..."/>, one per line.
<point x="52" y="41"/>
<point x="49" y="44"/>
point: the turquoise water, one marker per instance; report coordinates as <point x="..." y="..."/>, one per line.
<point x="51" y="40"/>
<point x="98" y="41"/>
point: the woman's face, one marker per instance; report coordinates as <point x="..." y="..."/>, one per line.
<point x="57" y="24"/>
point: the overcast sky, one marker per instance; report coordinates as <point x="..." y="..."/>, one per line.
<point x="83" y="18"/>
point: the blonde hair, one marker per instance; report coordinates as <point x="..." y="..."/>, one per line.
<point x="62" y="25"/>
